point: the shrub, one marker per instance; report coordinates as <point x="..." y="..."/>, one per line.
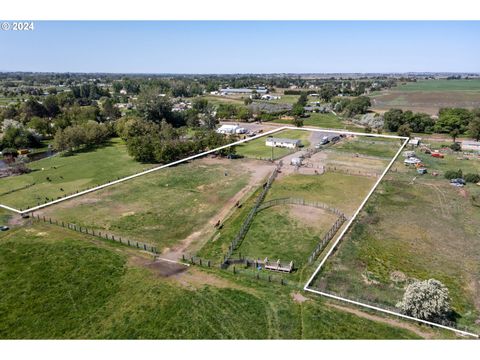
<point x="297" y="122"/>
<point x="428" y="300"/>
<point x="472" y="178"/>
<point x="456" y="146"/>
<point x="452" y="174"/>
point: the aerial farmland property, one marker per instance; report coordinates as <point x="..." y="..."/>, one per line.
<point x="148" y="201"/>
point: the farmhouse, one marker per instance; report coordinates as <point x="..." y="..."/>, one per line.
<point x="281" y="142"/>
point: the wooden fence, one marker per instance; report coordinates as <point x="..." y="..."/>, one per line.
<point x="98" y="234"/>
<point x="248" y="220"/>
<point x="326" y="239"/>
<point x="330" y="168"/>
<point x="298" y="201"/>
<point x="241" y="267"/>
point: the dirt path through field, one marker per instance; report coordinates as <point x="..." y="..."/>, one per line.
<point x="259" y="171"/>
<point x="391" y="322"/>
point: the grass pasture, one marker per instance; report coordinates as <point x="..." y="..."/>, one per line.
<point x="68" y="174"/>
<point x="160" y="208"/>
<point x="286" y="233"/>
<point x="369" y="146"/>
<point x="56" y="284"/>
<point x="412" y="230"/>
<point x="326" y="121"/>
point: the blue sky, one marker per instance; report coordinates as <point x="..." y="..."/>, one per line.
<point x="243" y="47"/>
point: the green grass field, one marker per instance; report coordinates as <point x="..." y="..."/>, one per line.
<point x="441" y="85"/>
<point x="328" y="121"/>
<point x="276" y="234"/>
<point x="160" y="208"/>
<point x="377" y="147"/>
<point x="290" y="238"/>
<point x="257" y="149"/>
<point x="70" y="173"/>
<point x="55" y="284"/>
<point x="429" y="95"/>
<point x="341" y="191"/>
<point x="382" y="253"/>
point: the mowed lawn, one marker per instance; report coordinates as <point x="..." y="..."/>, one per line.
<point x="160" y="208"/>
<point x="256" y="149"/>
<point x="412" y="230"/>
<point x="59" y="175"/>
<point x="55" y="284"/>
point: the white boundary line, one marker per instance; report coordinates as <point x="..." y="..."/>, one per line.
<point x="35" y="208"/>
<point x="339" y="131"/>
<point x="137" y="175"/>
<point x="340" y="237"/>
<point x="391" y="312"/>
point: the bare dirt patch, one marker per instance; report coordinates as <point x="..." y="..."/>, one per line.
<point x="309" y="216"/>
<point x="158" y="267"/>
<point x="299" y="298"/>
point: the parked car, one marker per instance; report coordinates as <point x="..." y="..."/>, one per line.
<point x="4" y="228"/>
<point x="437" y="155"/>
<point x="458" y="182"/>
<point x="412" y="161"/>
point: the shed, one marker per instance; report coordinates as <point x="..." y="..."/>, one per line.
<point x="296" y="161"/>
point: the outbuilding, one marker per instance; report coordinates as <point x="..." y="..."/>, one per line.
<point x="228" y="129"/>
<point x="282" y="142"/>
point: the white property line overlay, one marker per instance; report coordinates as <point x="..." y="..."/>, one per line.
<point x="340" y="237"/>
<point x="35" y="208"/>
<point x="331" y="249"/>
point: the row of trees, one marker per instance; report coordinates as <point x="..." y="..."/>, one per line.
<point x="148" y="141"/>
<point x="453" y="121"/>
<point x="86" y="135"/>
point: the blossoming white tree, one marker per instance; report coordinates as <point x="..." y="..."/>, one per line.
<point x="428" y="300"/>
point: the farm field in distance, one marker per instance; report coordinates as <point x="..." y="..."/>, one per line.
<point x="413" y="227"/>
<point x="429" y="96"/>
<point x="58" y="284"/>
<point x="59" y="175"/>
